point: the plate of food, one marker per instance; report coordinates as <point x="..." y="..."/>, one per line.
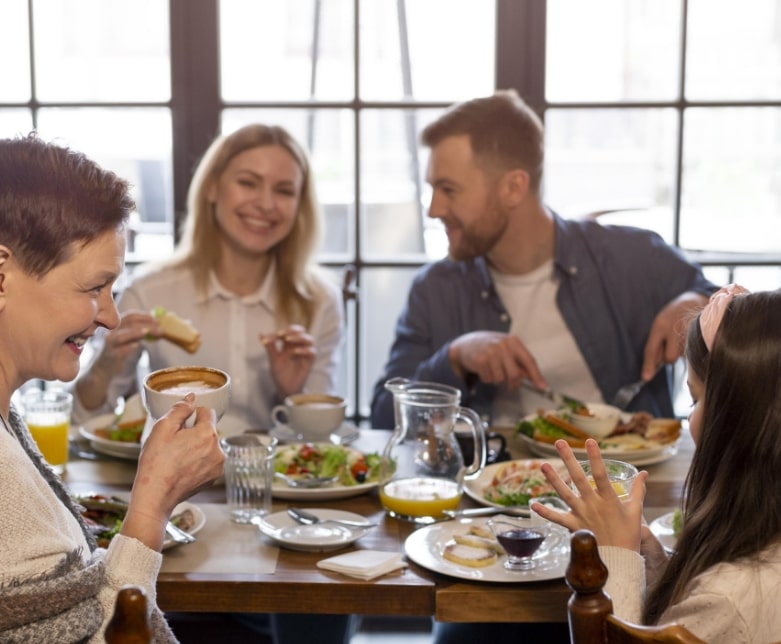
<point x="118" y="435"/>
<point x="513" y="483"/>
<point x="104" y="515"/>
<point x="638" y="438"/>
<point x="322" y="537"/>
<point x="467" y="549"/>
<point x="355" y="472"/>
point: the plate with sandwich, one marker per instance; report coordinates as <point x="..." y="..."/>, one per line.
<point x="638" y="438"/>
<point x="467" y="549"/>
<point x="118" y="435"/>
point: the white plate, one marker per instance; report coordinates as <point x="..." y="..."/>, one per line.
<point x="199" y="519"/>
<point x="346" y="434"/>
<point x="636" y="456"/>
<point x="475" y="487"/>
<point x="662" y="528"/>
<point x="119" y="449"/>
<point x="425" y="547"/>
<point x="280" y="490"/>
<point x="281" y="528"/>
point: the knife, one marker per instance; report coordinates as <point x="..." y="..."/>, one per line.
<point x="557" y="398"/>
<point x="514" y="510"/>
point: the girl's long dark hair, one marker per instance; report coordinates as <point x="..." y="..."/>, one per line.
<point x="732" y="496"/>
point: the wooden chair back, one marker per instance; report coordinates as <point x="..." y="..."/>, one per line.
<point x="590" y="609"/>
<point x="130" y="623"/>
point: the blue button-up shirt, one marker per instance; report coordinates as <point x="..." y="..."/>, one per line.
<point x="613" y="281"/>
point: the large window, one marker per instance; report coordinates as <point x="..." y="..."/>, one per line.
<point x="665" y="115"/>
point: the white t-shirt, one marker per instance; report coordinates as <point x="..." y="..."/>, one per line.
<point x="530" y="300"/>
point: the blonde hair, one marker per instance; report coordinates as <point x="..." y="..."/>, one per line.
<point x="199" y="251"/>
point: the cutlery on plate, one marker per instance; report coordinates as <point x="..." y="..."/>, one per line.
<point x="307" y="518"/>
<point x="519" y="510"/>
<point x="558" y="398"/>
<point x="176" y="534"/>
<point x="306" y="480"/>
<point x="627" y="393"/>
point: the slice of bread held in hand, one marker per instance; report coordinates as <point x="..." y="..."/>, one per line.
<point x="177" y="330"/>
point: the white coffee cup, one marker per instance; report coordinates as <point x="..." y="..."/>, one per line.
<point x="165" y="387"/>
<point x="312" y="417"/>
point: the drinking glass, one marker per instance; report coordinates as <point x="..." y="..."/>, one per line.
<point x="249" y="465"/>
<point x="48" y="417"/>
<point x="621" y="476"/>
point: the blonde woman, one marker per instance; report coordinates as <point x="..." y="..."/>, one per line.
<point x="243" y="275"/>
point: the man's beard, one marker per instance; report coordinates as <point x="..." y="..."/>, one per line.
<point x="479" y="240"/>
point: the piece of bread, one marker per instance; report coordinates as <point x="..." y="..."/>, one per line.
<point x="664" y="430"/>
<point x="469" y="556"/>
<point x="481" y="530"/>
<point x="178" y="330"/>
<point x="478" y="542"/>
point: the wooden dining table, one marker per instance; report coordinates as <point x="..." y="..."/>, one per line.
<point x="296" y="585"/>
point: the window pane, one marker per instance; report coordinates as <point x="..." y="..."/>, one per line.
<point x="733" y="51"/>
<point x="383" y="295"/>
<point x="452" y="45"/>
<point x="394" y="194"/>
<point x="328" y="135"/>
<point x="102" y="50"/>
<point x="14" y="52"/>
<point x="603" y="159"/>
<point x="754" y="278"/>
<point x="612" y="50"/>
<point x="136" y="144"/>
<point x="267" y="50"/>
<point x="731" y="198"/>
<point x="14" y="122"/>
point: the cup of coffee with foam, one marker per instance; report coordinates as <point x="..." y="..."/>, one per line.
<point x="165" y="387"/>
<point x="311" y="417"/>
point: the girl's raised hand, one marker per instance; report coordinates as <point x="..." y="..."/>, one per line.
<point x="614" y="522"/>
<point x="291" y="353"/>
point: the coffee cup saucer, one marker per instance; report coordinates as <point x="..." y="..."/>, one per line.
<point x="344" y="435"/>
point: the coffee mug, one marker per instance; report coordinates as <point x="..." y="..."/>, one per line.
<point x="312" y="417"/>
<point x="165" y="387"/>
<point x="495" y="447"/>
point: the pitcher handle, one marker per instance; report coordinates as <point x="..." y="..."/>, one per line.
<point x="478" y="432"/>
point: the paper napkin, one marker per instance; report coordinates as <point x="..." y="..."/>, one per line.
<point x="364" y="564"/>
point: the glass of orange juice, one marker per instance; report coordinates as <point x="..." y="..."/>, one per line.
<point x="48" y="417"/>
<point x="621" y="476"/>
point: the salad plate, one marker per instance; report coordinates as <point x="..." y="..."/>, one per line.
<point x="118" y="449"/>
<point x="344" y="435"/>
<point x="187" y="516"/>
<point x="659" y="442"/>
<point x="281" y="528"/>
<point x="426" y="545"/>
<point x="520" y="480"/>
<point x="357" y="472"/>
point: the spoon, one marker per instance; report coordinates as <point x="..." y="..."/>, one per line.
<point x="307" y="518"/>
<point x="306" y="480"/>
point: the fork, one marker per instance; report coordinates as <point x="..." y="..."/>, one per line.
<point x="627" y="393"/>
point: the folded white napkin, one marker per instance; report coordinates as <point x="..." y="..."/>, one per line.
<point x="364" y="564"/>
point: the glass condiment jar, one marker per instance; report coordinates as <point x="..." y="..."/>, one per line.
<point x="422" y="470"/>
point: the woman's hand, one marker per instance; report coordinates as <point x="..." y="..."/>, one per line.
<point x="120" y="345"/>
<point x="291" y="355"/>
<point x="613" y="522"/>
<point x="175" y="463"/>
